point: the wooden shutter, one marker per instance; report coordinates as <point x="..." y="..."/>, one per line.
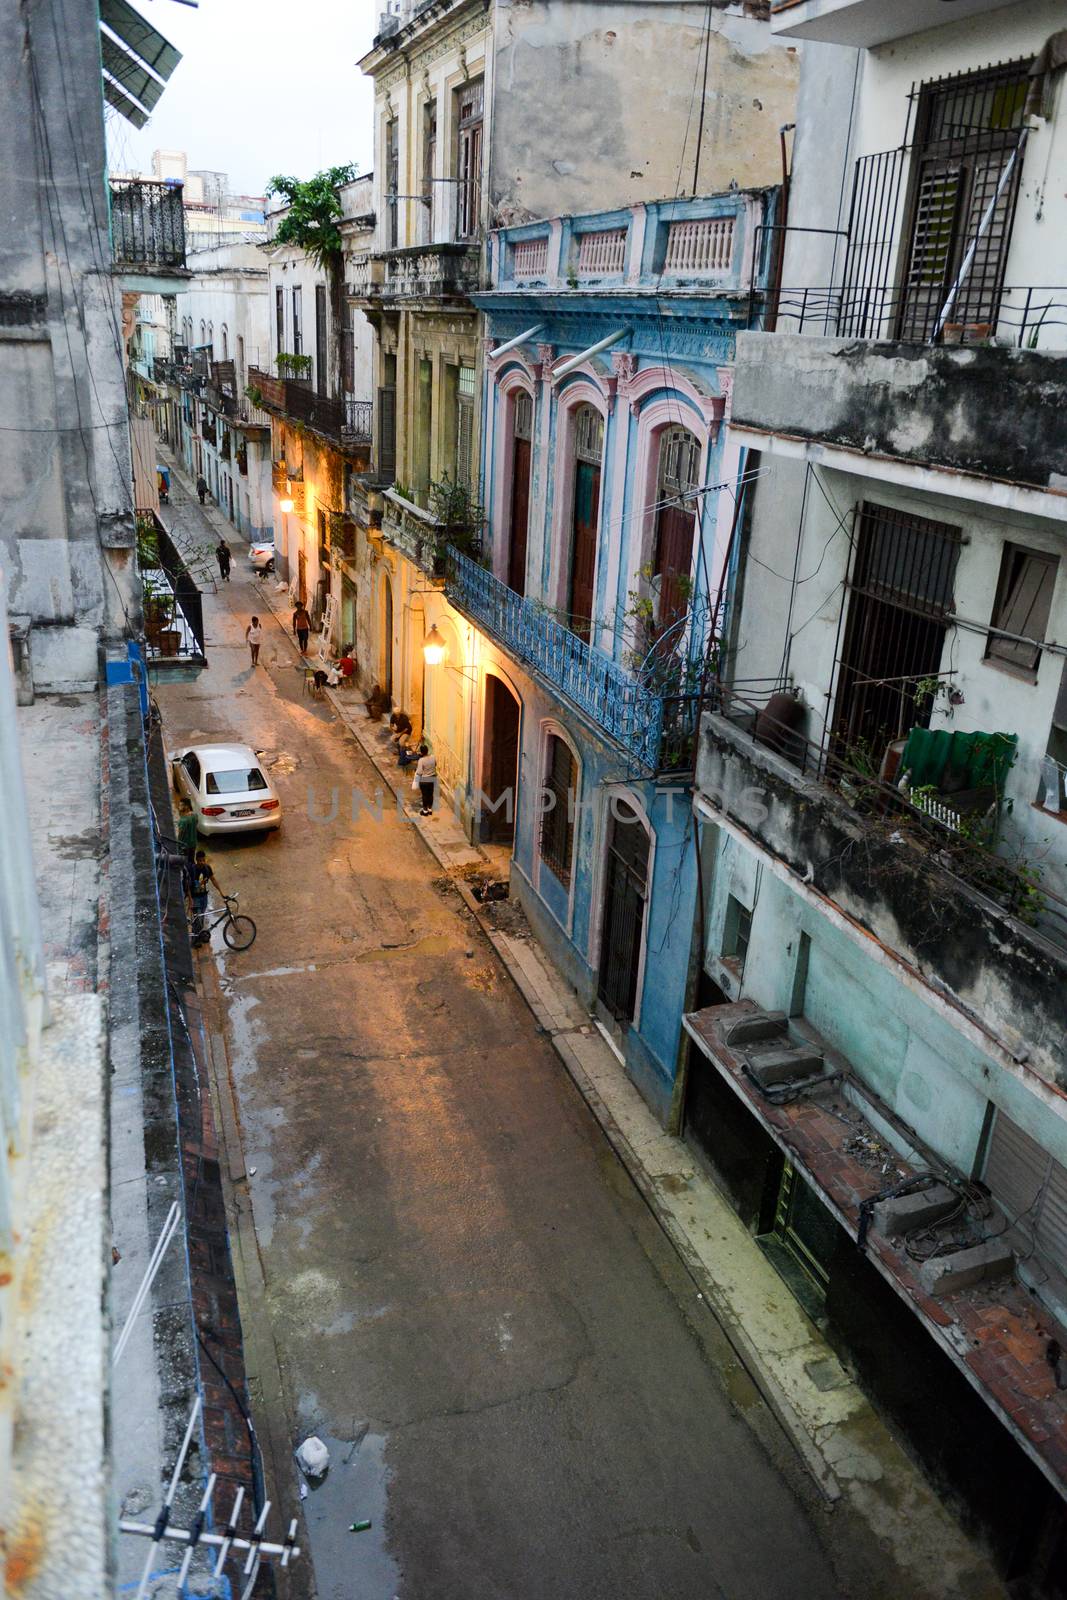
<point x="387" y="431"/>
<point x="1023" y="604"/>
<point x="557" y="821"/>
<point x="321" y="345"/>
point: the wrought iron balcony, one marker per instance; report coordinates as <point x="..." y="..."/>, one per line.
<point x="657" y="730"/>
<point x="147" y="223"/>
<point x="344" y="420"/>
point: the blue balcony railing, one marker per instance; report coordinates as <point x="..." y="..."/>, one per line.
<point x="658" y="730"/>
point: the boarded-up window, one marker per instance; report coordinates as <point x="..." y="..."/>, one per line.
<point x="557" y="819"/>
<point x="1024" y="600"/>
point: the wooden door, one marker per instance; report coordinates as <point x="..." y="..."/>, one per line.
<point x="625" y="885"/>
<point x="520" y="515"/>
<point x="676" y="521"/>
<point x="501" y="764"/>
<point x="585" y="523"/>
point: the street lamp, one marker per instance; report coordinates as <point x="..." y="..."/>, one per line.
<point x="285" y="506"/>
<point x="434" y="648"/>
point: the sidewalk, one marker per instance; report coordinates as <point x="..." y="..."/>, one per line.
<point x="847" y="1448"/>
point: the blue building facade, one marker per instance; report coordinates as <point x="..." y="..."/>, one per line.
<point x="611" y="490"/>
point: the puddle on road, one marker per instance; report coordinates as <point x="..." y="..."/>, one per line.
<point x="355" y="1489"/>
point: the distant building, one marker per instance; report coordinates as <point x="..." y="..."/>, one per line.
<point x="213" y="212"/>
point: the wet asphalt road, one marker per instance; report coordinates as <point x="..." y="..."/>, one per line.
<point x="470" y="1302"/>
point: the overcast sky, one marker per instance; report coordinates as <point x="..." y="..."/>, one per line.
<point x="263" y="86"/>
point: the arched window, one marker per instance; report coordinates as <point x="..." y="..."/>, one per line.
<point x="211" y="336"/>
<point x="588" y="427"/>
<point x="225" y="337"/>
<point x="676" y="522"/>
<point x="522" y="444"/>
<point x="558" y="797"/>
<point x="203" y="331"/>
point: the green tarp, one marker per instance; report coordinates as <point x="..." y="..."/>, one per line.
<point x="954" y="761"/>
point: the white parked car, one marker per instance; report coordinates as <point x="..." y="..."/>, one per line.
<point x="261" y="555"/>
<point x="227" y="787"/>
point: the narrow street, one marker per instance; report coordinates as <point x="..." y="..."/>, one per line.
<point x="470" y="1302"/>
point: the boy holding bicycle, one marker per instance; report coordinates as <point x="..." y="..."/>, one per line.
<point x="202" y="879"/>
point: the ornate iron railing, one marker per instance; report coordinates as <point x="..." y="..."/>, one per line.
<point x="657" y="730"/>
<point x="147" y="223"/>
<point x="357" y="421"/>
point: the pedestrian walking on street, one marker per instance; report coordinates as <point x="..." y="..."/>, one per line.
<point x="203" y="878"/>
<point x="425" y="779"/>
<point x="223" y="555"/>
<point x="254" y="635"/>
<point x="201" y="488"/>
<point x="302" y="627"/>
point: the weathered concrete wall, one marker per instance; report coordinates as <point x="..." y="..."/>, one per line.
<point x="932" y="924"/>
<point x="597" y="105"/>
<point x="990" y="412"/>
<point x="64" y="447"/>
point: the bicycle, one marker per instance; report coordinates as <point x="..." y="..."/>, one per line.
<point x="238" y="931"/>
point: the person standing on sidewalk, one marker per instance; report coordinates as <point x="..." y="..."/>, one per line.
<point x="425" y="779"/>
<point x="187" y="840"/>
<point x="201" y="488"/>
<point x="254" y="635"/>
<point x="223" y="555"/>
<point x="302" y="627"/>
<point x="202" y="879"/>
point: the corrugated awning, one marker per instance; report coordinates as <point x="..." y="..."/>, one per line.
<point x="137" y="61"/>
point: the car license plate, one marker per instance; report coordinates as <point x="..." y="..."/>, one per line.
<point x="248" y="812"/>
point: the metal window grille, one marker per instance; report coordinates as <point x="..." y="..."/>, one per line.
<point x="1024" y="600"/>
<point x="279" y="319"/>
<point x="557" y="820"/>
<point x="701" y="248"/>
<point x="947" y="262"/>
<point x="907" y="560"/>
<point x="601" y="254"/>
<point x="523" y="424"/>
<point x="464" y="439"/>
<point x="529" y="258"/>
<point x="589" y="435"/>
<point x="679" y="464"/>
<point x="900" y="604"/>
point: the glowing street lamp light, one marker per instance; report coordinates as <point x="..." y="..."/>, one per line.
<point x="285" y="506"/>
<point x="434" y="648"/>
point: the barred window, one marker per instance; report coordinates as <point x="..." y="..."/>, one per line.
<point x="557" y="820"/>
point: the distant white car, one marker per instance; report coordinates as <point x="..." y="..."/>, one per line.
<point x="227" y="788"/>
<point x="261" y="555"/>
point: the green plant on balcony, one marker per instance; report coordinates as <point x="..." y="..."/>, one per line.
<point x="147" y="542"/>
<point x="460" y="517"/>
<point x="254" y="394"/>
<point x="292" y="366"/>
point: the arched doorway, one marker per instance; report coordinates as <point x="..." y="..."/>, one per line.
<point x="672" y="551"/>
<point x="625" y="898"/>
<point x="498" y="803"/>
<point x="585" y="517"/>
<point x="386" y="672"/>
<point x="522" y="441"/>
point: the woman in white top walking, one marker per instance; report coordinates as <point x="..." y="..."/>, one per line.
<point x="254" y="635"/>
<point x="425" y="779"/>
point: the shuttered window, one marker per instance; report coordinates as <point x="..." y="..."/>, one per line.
<point x="465" y="390"/>
<point x="1024" y="600"/>
<point x="1031" y="1188"/>
<point x="469" y="105"/>
<point x="387" y="430"/>
<point x="557" y="820"/>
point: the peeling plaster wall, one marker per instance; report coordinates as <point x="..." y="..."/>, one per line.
<point x="66" y="526"/>
<point x="1009" y="977"/>
<point x="928" y="404"/>
<point x="596" y="105"/>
